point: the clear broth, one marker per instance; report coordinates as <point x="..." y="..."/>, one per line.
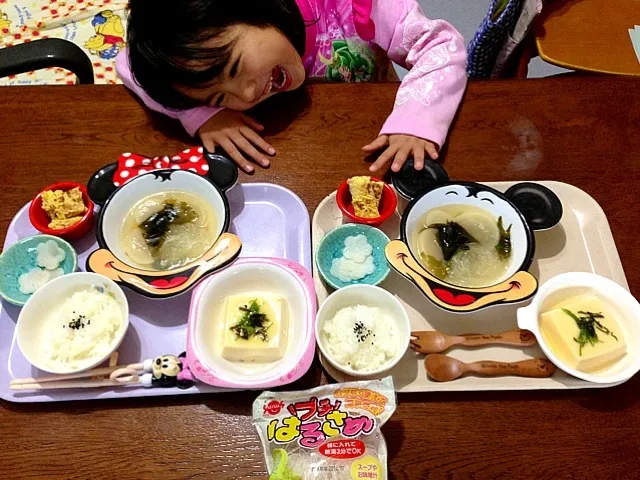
<point x="183" y="243"/>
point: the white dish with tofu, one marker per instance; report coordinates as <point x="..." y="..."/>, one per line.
<point x="251" y="325"/>
<point x="587" y="325"/>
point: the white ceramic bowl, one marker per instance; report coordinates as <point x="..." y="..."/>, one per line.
<point x="29" y="332"/>
<point x="567" y="285"/>
<point x="370" y="296"/>
<point x="270" y="275"/>
<point x="124" y="198"/>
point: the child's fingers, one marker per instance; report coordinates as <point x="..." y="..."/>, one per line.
<point x="418" y="157"/>
<point x="431" y="150"/>
<point x="401" y="157"/>
<point x="257" y="140"/>
<point x="244" y="145"/>
<point x="383" y="159"/>
<point x="235" y="154"/>
<point x="252" y="123"/>
<point x="208" y="144"/>
<point x="377" y="144"/>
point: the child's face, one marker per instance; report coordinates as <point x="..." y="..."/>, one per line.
<point x="263" y="62"/>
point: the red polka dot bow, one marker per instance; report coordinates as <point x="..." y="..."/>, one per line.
<point x="130" y="165"/>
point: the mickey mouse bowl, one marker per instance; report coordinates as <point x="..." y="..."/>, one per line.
<point x="160" y="232"/>
<point x="467" y="246"/>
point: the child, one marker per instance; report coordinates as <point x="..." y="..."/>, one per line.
<point x="205" y="61"/>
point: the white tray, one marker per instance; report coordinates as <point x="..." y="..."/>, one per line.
<point x="592" y="249"/>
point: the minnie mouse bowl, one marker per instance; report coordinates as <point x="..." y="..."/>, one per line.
<point x="72" y="323"/>
<point x="154" y="279"/>
<point x="251" y="325"/>
<point x="500" y="227"/>
<point x="615" y="300"/>
<point x="40" y="219"/>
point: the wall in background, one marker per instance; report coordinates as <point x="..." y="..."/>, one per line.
<point x="466" y="16"/>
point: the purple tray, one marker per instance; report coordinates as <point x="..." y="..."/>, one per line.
<point x="270" y="220"/>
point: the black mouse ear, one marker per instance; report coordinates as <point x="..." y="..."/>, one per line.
<point x="223" y="171"/>
<point x="100" y="185"/>
<point x="411" y="183"/>
<point x="539" y="205"/>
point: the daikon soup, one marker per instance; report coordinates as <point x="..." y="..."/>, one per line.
<point x="464" y="245"/>
<point x="167" y="230"/>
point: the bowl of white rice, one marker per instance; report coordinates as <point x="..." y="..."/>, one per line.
<point x="362" y="330"/>
<point x="73" y="323"/>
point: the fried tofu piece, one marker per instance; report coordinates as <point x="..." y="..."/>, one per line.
<point x="365" y="196"/>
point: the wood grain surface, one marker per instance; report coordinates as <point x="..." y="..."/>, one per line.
<point x="584" y="131"/>
<point x="589" y="35"/>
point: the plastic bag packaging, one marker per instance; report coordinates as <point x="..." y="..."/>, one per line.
<point x="331" y="432"/>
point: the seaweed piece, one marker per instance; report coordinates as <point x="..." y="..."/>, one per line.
<point x="253" y="323"/>
<point x="588" y="323"/>
<point x="452" y="238"/>
<point x="504" y="244"/>
<point x="155" y="228"/>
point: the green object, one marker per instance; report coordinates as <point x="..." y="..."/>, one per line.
<point x="500" y="7"/>
<point x="452" y="238"/>
<point x="435" y="266"/>
<point x="253" y="323"/>
<point x="350" y="62"/>
<point x="156" y="227"/>
<point x="588" y="324"/>
<point x="282" y="470"/>
<point x="504" y="244"/>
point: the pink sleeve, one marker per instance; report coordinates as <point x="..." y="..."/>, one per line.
<point x="191" y="119"/>
<point x="435" y="54"/>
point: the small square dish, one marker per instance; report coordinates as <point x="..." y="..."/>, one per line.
<point x="251" y="325"/>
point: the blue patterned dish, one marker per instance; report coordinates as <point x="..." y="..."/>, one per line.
<point x="332" y="245"/>
<point x="21" y="257"/>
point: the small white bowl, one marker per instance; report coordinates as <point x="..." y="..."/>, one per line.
<point x="371" y="296"/>
<point x="29" y="327"/>
<point x="567" y="285"/>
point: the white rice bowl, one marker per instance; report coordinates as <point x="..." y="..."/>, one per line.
<point x="362" y="330"/>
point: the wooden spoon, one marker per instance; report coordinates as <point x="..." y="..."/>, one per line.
<point x="435" y="342"/>
<point x="444" y="369"/>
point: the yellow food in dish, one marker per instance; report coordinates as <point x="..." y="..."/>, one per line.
<point x="365" y="196"/>
<point x="583" y="333"/>
<point x="256" y="327"/>
<point x="64" y="208"/>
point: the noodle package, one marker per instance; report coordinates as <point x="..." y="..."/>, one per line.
<point x="331" y="432"/>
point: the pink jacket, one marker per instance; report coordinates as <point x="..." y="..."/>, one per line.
<point x="339" y="48"/>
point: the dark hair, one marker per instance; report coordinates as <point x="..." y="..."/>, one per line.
<point x="163" y="35"/>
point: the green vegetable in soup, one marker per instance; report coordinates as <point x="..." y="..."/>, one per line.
<point x="451" y="238"/>
<point x="157" y="226"/>
<point x="504" y="244"/>
<point x="435" y="266"/>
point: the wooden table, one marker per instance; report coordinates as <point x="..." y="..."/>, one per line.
<point x="589" y="35"/>
<point x="582" y="131"/>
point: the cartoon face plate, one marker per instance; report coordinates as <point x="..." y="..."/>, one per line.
<point x="480" y="196"/>
<point x="163" y="284"/>
<point x="518" y="287"/>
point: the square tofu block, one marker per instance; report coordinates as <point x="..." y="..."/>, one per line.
<point x="559" y="331"/>
<point x="255" y="349"/>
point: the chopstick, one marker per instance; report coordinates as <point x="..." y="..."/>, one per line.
<point x="117" y="375"/>
<point x="98" y="372"/>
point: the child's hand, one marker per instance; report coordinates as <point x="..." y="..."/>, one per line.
<point x="236" y="134"/>
<point x="398" y="148"/>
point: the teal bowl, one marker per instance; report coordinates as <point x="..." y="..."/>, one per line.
<point x="21" y="257"/>
<point x="331" y="247"/>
